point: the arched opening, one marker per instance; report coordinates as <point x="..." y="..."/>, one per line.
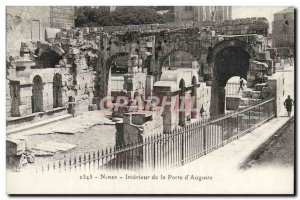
<point x="37" y="94"/>
<point x="49" y="59"/>
<point x="57" y="91"/>
<point x="178" y="59"/>
<point x="182" y="119"/>
<point x="113" y="75"/>
<point x="233" y="92"/>
<point x="228" y="62"/>
<point x="194" y="98"/>
<point x="235" y="86"/>
<point x="116" y="67"/>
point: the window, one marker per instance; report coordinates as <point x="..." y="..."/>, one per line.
<point x="35" y="30"/>
<point x="286" y="22"/>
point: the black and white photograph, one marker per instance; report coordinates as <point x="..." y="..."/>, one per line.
<point x="141" y="99"/>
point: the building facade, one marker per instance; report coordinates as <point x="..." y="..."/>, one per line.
<point x="283" y="32"/>
<point x="202" y="13"/>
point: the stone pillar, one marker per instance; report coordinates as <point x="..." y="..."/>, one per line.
<point x="149" y="86"/>
<point x="170" y="114"/>
<point x="15" y="98"/>
<point x="217" y="100"/>
<point x="47" y="96"/>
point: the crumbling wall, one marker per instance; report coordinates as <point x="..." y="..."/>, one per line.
<point x="19" y="21"/>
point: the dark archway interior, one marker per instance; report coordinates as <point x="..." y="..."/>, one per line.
<point x="49" y="59"/>
<point x="119" y="65"/>
<point x="57" y="91"/>
<point x="37" y="94"/>
<point x="229" y="62"/>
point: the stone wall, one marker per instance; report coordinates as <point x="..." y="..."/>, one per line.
<point x="21" y="21"/>
<point x="137" y="126"/>
<point x="283" y="32"/>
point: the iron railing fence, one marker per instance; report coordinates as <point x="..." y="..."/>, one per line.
<point x="233" y="89"/>
<point x="174" y="148"/>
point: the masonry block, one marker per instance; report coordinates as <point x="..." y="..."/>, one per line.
<point x="256" y="94"/>
<point x="259" y="86"/>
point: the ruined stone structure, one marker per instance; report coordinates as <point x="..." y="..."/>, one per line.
<point x="72" y="67"/>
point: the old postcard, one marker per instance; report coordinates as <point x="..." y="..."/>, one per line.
<point x="150" y="100"/>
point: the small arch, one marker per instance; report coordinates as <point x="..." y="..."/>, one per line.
<point x="57" y="90"/>
<point x="37" y="94"/>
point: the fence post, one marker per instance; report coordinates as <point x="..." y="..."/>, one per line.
<point x="223" y="127"/>
<point x="182" y="146"/>
<point x="258" y="114"/>
<point x="275" y="106"/>
<point x="237" y="128"/>
<point x="154" y="151"/>
<point x="204" y="138"/>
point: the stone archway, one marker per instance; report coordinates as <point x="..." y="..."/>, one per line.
<point x="228" y="58"/>
<point x="57" y="91"/>
<point x="37" y="94"/>
<point x="49" y="59"/>
<point x="182" y="106"/>
<point x="107" y="73"/>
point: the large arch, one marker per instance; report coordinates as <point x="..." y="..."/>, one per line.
<point x="228" y="58"/>
<point x="37" y="94"/>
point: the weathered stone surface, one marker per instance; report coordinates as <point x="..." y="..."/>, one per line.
<point x="259" y="87"/>
<point x="50" y="34"/>
<point x="232" y="103"/>
<point x="92" y="107"/>
<point x="15" y="147"/>
<point x="256" y="94"/>
<point x="73" y="50"/>
<point x="53" y="147"/>
<point x="247" y="93"/>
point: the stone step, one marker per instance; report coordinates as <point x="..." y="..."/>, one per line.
<point x="52" y="147"/>
<point x="37" y="124"/>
